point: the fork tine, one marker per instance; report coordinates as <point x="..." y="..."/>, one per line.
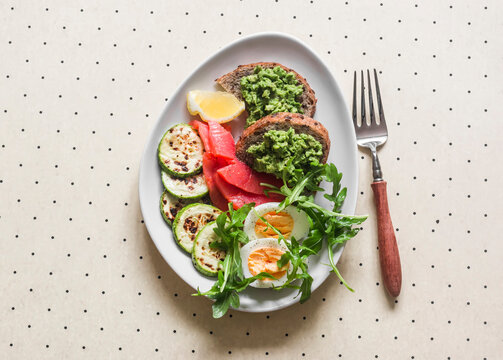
<point x="371" y="101"/>
<point x="355" y="119"/>
<point x="364" y="118"/>
<point x="382" y="121"/>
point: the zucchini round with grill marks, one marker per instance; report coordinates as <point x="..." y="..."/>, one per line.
<point x="192" y="187"/>
<point x="180" y="151"/>
<point x="190" y="220"/>
<point x="171" y="205"/>
<point x="205" y="259"/>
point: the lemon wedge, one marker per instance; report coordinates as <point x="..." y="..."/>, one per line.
<point x="219" y="106"/>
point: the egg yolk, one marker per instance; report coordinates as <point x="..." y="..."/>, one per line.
<point x="281" y="221"/>
<point x="265" y="260"/>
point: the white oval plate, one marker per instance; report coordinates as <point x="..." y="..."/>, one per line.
<point x="331" y="110"/>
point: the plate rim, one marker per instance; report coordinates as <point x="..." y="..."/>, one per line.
<point x="351" y="206"/>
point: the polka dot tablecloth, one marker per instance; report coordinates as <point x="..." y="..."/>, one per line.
<point x="82" y="84"/>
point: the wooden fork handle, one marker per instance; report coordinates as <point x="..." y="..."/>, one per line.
<point x="388" y="249"/>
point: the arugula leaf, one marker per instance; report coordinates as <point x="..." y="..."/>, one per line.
<point x="327" y="225"/>
<point x="305" y="287"/>
<point x="234" y="299"/>
<point x="221" y="305"/>
<point x="226" y="271"/>
<point x="229" y="296"/>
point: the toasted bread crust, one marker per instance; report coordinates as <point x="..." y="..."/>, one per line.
<point x="281" y="121"/>
<point x="231" y="82"/>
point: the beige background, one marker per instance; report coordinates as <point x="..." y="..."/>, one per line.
<point x="83" y="82"/>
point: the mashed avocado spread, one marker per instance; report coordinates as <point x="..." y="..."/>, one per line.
<point x="268" y="91"/>
<point x="286" y="150"/>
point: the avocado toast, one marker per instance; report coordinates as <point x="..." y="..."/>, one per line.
<point x="283" y="142"/>
<point x="269" y="87"/>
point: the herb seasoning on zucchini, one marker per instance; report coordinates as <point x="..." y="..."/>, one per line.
<point x="207" y="259"/>
<point x="193" y="187"/>
<point x="180" y="151"/>
<point x="170" y="206"/>
<point x="190" y="220"/>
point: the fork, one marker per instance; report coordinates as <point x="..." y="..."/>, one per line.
<point x="371" y="136"/>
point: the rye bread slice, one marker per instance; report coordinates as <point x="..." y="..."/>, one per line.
<point x="231" y="82"/>
<point x="281" y="121"/>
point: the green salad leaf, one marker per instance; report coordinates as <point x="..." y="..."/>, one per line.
<point x="327" y="225"/>
<point x="331" y="226"/>
<point x="230" y="281"/>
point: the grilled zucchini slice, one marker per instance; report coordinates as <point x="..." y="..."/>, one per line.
<point x="207" y="260"/>
<point x="170" y="206"/>
<point x="192" y="187"/>
<point x="190" y="220"/>
<point x="180" y="151"/>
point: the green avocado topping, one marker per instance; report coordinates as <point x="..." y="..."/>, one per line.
<point x="287" y="153"/>
<point x="268" y="91"/>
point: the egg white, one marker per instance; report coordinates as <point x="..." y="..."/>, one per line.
<point x="247" y="249"/>
<point x="300" y="220"/>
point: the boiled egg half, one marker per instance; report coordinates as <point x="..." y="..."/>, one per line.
<point x="291" y="222"/>
<point x="262" y="255"/>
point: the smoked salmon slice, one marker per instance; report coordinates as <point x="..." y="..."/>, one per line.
<point x="203" y="131"/>
<point x="210" y="167"/>
<point x="237" y="196"/>
<point x="221" y="141"/>
<point x="195" y="123"/>
<point x="242" y="176"/>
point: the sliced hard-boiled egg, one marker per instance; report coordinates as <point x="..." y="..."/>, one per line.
<point x="262" y="255"/>
<point x="291" y="222"/>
